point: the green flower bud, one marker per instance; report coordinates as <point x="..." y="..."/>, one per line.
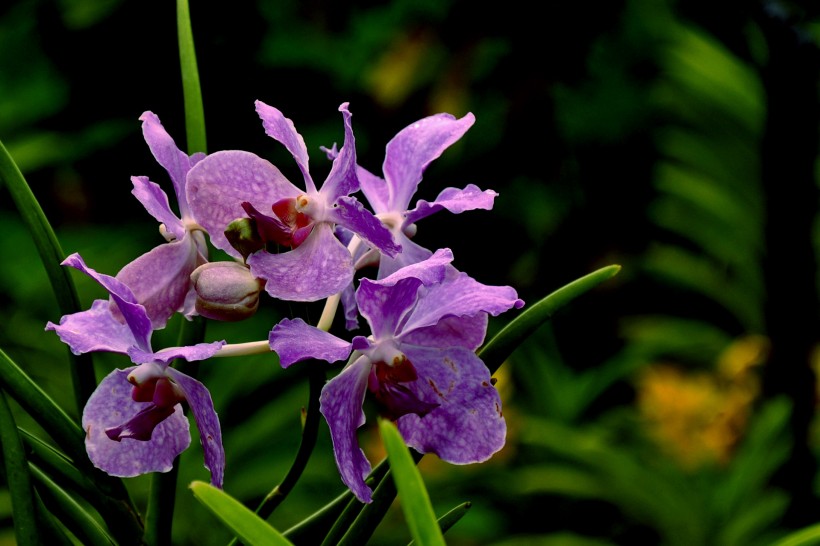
<point x="243" y="235"/>
<point x="225" y="291"/>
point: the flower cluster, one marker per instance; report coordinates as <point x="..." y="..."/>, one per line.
<point x="297" y="243"/>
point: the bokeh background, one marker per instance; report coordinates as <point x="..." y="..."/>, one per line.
<point x="673" y="405"/>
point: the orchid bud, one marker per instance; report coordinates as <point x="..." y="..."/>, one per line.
<point x="243" y="235"/>
<point x="225" y="291"/>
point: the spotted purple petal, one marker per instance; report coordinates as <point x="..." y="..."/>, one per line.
<point x="386" y="307"/>
<point x="210" y="435"/>
<point x="110" y="405"/>
<point x="375" y="189"/>
<point x="342" y="179"/>
<point x="463" y="331"/>
<point x="341" y="404"/>
<point x="467" y="426"/>
<point x="295" y="340"/>
<point x="167" y="154"/>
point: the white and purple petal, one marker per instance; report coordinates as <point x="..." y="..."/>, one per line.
<point x="207" y="422"/>
<point x="463" y="331"/>
<point x="110" y="405"/>
<point x="375" y="189"/>
<point x="295" y="340"/>
<point x="219" y="184"/>
<point x="429" y="271"/>
<point x="412" y="150"/>
<point x="319" y="267"/>
<point x="341" y="404"/>
<point x="468" y="425"/>
<point x="455" y="201"/>
<point x="191" y="353"/>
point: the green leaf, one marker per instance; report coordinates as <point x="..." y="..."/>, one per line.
<point x="18" y="478"/>
<point x="68" y="511"/>
<point x="51" y="255"/>
<point x="500" y="347"/>
<point x="808" y="536"/>
<point x="415" y="502"/>
<point x="241" y="520"/>
<point x="451" y="518"/>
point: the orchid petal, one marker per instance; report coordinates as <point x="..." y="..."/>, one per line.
<point x="155" y="201"/>
<point x="410" y="254"/>
<point x="191" y="353"/>
<point x="316" y="269"/>
<point x="385" y="307"/>
<point x="454" y="200"/>
<point x="94" y="330"/>
<point x="111" y="405"/>
<point x="342" y="179"/>
<point x="135" y="315"/>
<point x="160" y="278"/>
<point x="351" y="214"/>
<point x="375" y="189"/>
<point x="467" y="426"/>
<point x="295" y="340"/>
<point x="210" y="435"/>
<point x="341" y="404"/>
<point x="281" y="129"/>
<point x="464" y="331"/>
<point x="220" y="183"/>
<point x="412" y="150"/>
<point x="167" y="154"/>
<point x="460" y="296"/>
<point x="429" y="271"/>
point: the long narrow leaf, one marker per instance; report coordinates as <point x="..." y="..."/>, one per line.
<point x="496" y="351"/>
<point x="51" y="254"/>
<point x="249" y="527"/>
<point x="18" y="478"/>
<point x="192" y="93"/>
<point x="68" y="511"/>
<point x="808" y="536"/>
<point x="415" y="501"/>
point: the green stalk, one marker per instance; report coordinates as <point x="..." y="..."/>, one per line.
<point x="18" y="478"/>
<point x="191" y="90"/>
<point x="51" y="255"/>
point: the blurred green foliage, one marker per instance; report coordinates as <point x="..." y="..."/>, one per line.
<point x="626" y="132"/>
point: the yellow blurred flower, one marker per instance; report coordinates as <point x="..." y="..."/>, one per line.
<point x="699" y="417"/>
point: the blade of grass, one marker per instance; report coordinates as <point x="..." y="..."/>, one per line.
<point x="191" y="90"/>
<point x="451" y="518"/>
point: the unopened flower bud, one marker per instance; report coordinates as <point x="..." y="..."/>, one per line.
<point x="243" y="235"/>
<point x="225" y="291"/>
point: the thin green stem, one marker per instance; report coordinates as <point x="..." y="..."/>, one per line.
<point x="191" y="90"/>
<point x="51" y="255"/>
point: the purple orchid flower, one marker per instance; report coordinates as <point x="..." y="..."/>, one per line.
<point x="233" y="184"/>
<point x="133" y="420"/>
<point x="420" y="365"/>
<point x="160" y="278"/>
<point x="407" y="156"/>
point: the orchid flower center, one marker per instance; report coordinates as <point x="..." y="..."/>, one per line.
<point x="390" y="382"/>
